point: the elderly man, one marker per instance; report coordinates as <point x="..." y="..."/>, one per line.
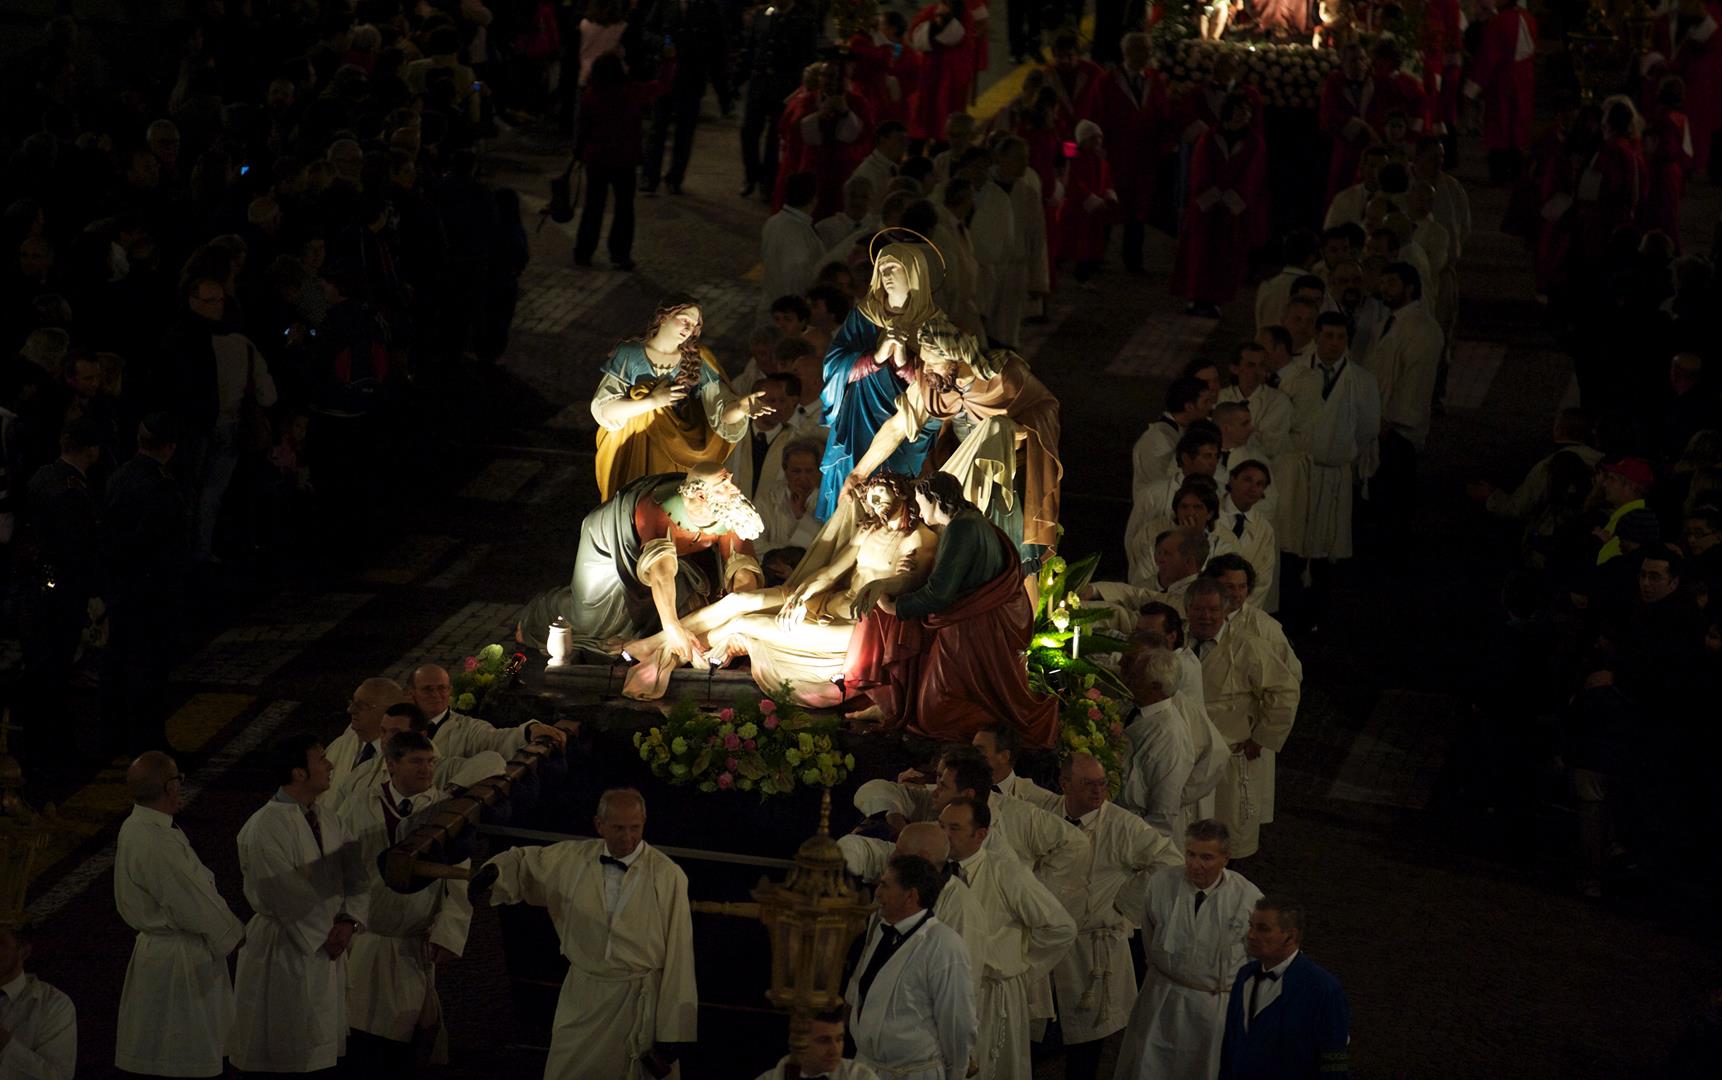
<point x="1193" y="921"/>
<point x="360" y="743"/>
<point x="1252" y="698"/>
<point x="303" y="880"/>
<point x="1243" y="513"/>
<point x="1031" y="931"/>
<point x="1043" y="841"/>
<point x="999" y="745"/>
<point x="1287" y="1016"/>
<point x="38" y="1023"/>
<point x="1094" y="984"/>
<point x="1336" y="421"/>
<point x="912" y="992"/>
<point x="177" y="1002"/>
<point x="391" y="974"/>
<point x="1176" y="754"/>
<point x="457" y="735"/>
<point x="823" y="1059"/>
<point x="620" y="907"/>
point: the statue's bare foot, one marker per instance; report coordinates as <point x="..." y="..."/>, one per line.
<point x="862" y="719"/>
<point x="519" y="635"/>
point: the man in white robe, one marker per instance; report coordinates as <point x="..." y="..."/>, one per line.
<point x="1336" y="420"/>
<point x="620" y="908"/>
<point x="879" y="168"/>
<point x="1151" y="511"/>
<point x="1236" y="578"/>
<point x="999" y="745"/>
<point x="1243" y="513"/>
<point x="1405" y="362"/>
<point x="1187" y="401"/>
<point x="1177" y="556"/>
<point x="824" y="1054"/>
<point x="755" y="462"/>
<point x="957" y="906"/>
<point x="789" y="246"/>
<point x="1301" y="251"/>
<point x="456" y="735"/>
<point x="1270" y="410"/>
<point x="912" y="994"/>
<point x="303" y="880"/>
<point x="1193" y="920"/>
<point x="1094" y="984"/>
<point x="359" y="745"/>
<point x="1009" y="237"/>
<point x="857" y="213"/>
<point x="1042" y="841"/>
<point x="391" y="972"/>
<point x="786" y="503"/>
<point x="176" y="1005"/>
<point x="1252" y="698"/>
<point x="38" y="1023"/>
<point x="1177" y="756"/>
<point x="1031" y="931"/>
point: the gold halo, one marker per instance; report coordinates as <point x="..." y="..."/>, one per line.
<point x="873" y="252"/>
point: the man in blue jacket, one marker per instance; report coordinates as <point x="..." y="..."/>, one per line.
<point x="1287" y="1017"/>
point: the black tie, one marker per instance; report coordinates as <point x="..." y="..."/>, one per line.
<point x="998" y="789"/>
<point x="316" y="833"/>
<point x="1330" y="378"/>
<point x="1274" y="380"/>
<point x="1225" y="457"/>
<point x="955" y="869"/>
<point x="1202" y="647"/>
<point x="1200" y="896"/>
<point x="1260" y="975"/>
<point x="611" y="860"/>
<point x="1238" y="529"/>
<point x="761" y="447"/>
<point x="406" y="808"/>
<point x="366" y="753"/>
<point x="1388" y="326"/>
<point x="889" y="939"/>
<point x="1074" y="820"/>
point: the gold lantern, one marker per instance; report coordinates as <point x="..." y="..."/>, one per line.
<point x="812" y="917"/>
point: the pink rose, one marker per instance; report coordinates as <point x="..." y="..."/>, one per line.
<point x="731" y="764"/>
<point x="1117" y="730"/>
<point x="1093" y="694"/>
<point x="770" y="723"/>
<point x="767" y="707"/>
<point x="469" y="664"/>
<point x="731" y="741"/>
<point x="725" y="781"/>
<point x="749" y="744"/>
<point x="1095" y="714"/>
<point x="726" y="715"/>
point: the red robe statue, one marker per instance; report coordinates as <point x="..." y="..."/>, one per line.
<point x="947" y="67"/>
<point x="1504" y="70"/>
<point x="1218" y="232"/>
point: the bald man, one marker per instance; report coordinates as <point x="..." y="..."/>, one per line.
<point x="957" y="907"/>
<point x="177" y="1002"/>
<point x="456" y="735"/>
<point x="361" y="744"/>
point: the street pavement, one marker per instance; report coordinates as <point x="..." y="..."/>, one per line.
<point x="1458" y="936"/>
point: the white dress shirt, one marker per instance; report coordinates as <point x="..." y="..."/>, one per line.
<point x="613" y="875"/>
<point x="44" y="1027"/>
<point x="1267" y="991"/>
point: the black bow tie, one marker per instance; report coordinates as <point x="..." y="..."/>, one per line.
<point x="1074" y="820"/>
<point x="1270" y="976"/>
<point x="406" y="807"/>
<point x="998" y="789"/>
<point x="955" y="869"/>
<point x="611" y="860"/>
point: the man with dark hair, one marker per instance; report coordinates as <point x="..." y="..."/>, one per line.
<point x="1245" y="513"/>
<point x="1187" y="400"/>
<point x="912" y="990"/>
<point x="1189" y="918"/>
<point x="1336" y="420"/>
<point x="790" y="248"/>
<point x="1197" y="453"/>
<point x="391" y="974"/>
<point x="822" y="1059"/>
<point x="999" y="745"/>
<point x="1298" y="252"/>
<point x="309" y="893"/>
<point x="1278" y="346"/>
<point x="1287" y="1017"/>
<point x="1031" y="932"/>
<point x="1270" y="410"/>
<point x="1237" y="581"/>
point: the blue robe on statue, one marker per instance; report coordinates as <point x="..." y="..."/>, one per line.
<point x="855" y="411"/>
<point x="1301" y="1035"/>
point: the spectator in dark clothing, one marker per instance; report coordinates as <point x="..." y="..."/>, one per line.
<point x="694" y="34"/>
<point x="509" y="254"/>
<point x="608" y="134"/>
<point x="779" y="42"/>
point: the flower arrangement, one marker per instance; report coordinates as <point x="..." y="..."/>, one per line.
<point x="1092" y="723"/>
<point x="1063" y="631"/>
<point x="769" y="746"/>
<point x="482" y="676"/>
<point x="1286" y="75"/>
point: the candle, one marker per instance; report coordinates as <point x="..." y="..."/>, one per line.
<point x="1076" y="643"/>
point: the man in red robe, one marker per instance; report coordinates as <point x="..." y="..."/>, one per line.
<point x="1503" y="73"/>
<point x="1090" y="203"/>
<point x="1073" y="78"/>
<point x="940" y="32"/>
<point x="1130" y="106"/>
<point x="1226" y="214"/>
<point x="1612" y="188"/>
<point x="1698" y="60"/>
<point x="832" y="133"/>
<point x="1443" y="64"/>
<point x="1668" y="148"/>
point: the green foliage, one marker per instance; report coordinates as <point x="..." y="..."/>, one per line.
<point x="769" y="746"/>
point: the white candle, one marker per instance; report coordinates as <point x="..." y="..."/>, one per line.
<point x="1076" y="643"/>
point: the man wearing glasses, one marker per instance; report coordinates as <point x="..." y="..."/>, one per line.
<point x="177" y="1002"/>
